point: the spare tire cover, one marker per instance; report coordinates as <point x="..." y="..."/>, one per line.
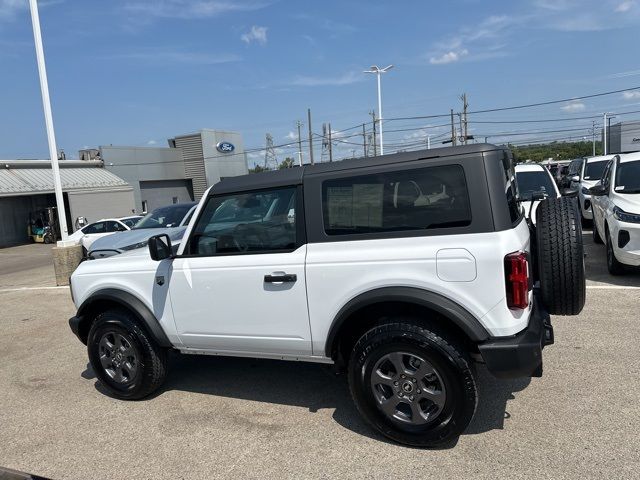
<point x="560" y="256"/>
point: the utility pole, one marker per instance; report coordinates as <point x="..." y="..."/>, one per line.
<point x="48" y="120"/>
<point x="428" y="142"/>
<point x="593" y="136"/>
<point x="604" y="130"/>
<point x="378" y="72"/>
<point x="453" y="130"/>
<point x="299" y="124"/>
<point x="375" y="140"/>
<point x="270" y="158"/>
<point x="462" y="139"/>
<point x="330" y="145"/>
<point x="463" y="116"/>
<point x="364" y="140"/>
<point x="310" y="136"/>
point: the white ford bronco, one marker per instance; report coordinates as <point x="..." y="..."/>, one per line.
<point x="404" y="269"/>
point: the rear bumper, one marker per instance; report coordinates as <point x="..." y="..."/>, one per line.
<point x="520" y="355"/>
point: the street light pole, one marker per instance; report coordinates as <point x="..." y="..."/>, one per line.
<point x="379" y="71"/>
<point x="48" y="118"/>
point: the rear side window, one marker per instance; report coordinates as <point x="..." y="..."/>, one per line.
<point x="420" y="199"/>
<point x="510" y="187"/>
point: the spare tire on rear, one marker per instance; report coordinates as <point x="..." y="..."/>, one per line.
<point x="560" y="256"/>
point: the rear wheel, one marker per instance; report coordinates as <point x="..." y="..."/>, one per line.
<point x="125" y="359"/>
<point x="560" y="256"/>
<point x="613" y="265"/>
<point x="411" y="384"/>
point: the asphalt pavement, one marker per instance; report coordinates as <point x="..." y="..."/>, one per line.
<point x="244" y="418"/>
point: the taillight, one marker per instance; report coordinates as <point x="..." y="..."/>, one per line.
<point x="516" y="270"/>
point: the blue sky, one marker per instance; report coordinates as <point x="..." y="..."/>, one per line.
<point x="135" y="72"/>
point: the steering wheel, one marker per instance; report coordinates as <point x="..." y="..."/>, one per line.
<point x="242" y="231"/>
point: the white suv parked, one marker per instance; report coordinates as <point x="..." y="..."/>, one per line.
<point x="404" y="269"/>
<point x="590" y="173"/>
<point x="616" y="212"/>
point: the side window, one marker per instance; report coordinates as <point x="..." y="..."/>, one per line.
<point x="511" y="187"/>
<point x="420" y="199"/>
<point x="98" y="227"/>
<point x="250" y="222"/>
<point x="114" y="227"/>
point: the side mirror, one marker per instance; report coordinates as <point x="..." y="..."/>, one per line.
<point x="160" y="247"/>
<point x="598" y="190"/>
<point x="575" y="178"/>
<point x="569" y="192"/>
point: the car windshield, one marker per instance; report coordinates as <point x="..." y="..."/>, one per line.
<point x="593" y="170"/>
<point x="164" y="217"/>
<point x="531" y="182"/>
<point x="628" y="177"/>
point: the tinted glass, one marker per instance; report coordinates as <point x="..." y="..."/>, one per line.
<point x="594" y="170"/>
<point x="510" y="187"/>
<point x="531" y="182"/>
<point x="130" y="222"/>
<point x="433" y="197"/>
<point x="164" y="217"/>
<point x="574" y="167"/>
<point x="253" y="222"/>
<point x="98" y="227"/>
<point x="628" y="177"/>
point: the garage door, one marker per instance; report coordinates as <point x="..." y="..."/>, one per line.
<point x="160" y="193"/>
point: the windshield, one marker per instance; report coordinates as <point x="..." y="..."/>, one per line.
<point x="530" y="182"/>
<point x="628" y="177"/>
<point x="593" y="170"/>
<point x="164" y="217"/>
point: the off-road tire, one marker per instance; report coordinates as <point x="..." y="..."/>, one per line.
<point x="560" y="253"/>
<point x="413" y="336"/>
<point x="613" y="265"/>
<point x="152" y="359"/>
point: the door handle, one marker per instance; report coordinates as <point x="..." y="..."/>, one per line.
<point x="281" y="278"/>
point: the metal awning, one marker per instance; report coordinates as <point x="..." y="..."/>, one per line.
<point x="29" y="177"/>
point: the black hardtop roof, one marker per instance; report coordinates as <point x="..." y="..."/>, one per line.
<point x="295" y="175"/>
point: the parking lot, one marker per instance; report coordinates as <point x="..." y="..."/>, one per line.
<point x="244" y="418"/>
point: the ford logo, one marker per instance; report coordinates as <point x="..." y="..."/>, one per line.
<point x="225" y="147"/>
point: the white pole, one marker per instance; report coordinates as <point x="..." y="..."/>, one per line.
<point x="604" y="129"/>
<point x="428" y="142"/>
<point x="46" y="103"/>
<point x="380" y="113"/>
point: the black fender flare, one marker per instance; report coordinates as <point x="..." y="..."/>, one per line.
<point x="130" y="302"/>
<point x="458" y="315"/>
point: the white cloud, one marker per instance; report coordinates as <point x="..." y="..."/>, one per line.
<point x="574" y="106"/>
<point x="188" y="9"/>
<point x="346" y="79"/>
<point x="291" y="136"/>
<point x="151" y="142"/>
<point x="449" y="57"/>
<point x="631" y="95"/>
<point x="256" y="34"/>
<point x="625" y="6"/>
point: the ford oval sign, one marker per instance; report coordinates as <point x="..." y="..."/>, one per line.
<point x="225" y="147"/>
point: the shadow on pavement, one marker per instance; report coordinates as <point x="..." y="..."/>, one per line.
<point x="311" y="386"/>
<point x="596" y="266"/>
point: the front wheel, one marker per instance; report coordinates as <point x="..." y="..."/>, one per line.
<point x="411" y="384"/>
<point x="613" y="265"/>
<point x="125" y="359"/>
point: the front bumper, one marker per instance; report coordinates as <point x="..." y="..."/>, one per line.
<point x="520" y="355"/>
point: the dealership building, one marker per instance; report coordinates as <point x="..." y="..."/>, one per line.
<point x="624" y="137"/>
<point x="115" y="181"/>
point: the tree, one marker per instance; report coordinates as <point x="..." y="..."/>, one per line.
<point x="257" y="169"/>
<point x="286" y="163"/>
